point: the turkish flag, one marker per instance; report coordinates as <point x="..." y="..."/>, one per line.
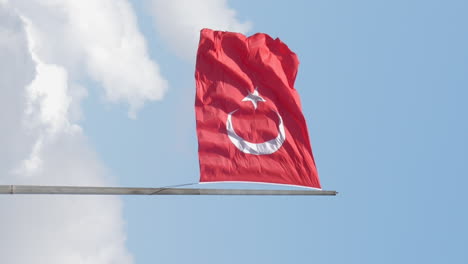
<point x="250" y="125"/>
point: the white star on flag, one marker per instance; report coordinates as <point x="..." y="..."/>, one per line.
<point x="254" y="98"/>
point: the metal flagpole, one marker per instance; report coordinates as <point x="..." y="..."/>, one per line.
<point x="89" y="190"/>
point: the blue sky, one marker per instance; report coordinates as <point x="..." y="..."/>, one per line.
<point x="383" y="85"/>
<point x="384" y="90"/>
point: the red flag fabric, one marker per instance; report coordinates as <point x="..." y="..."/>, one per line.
<point x="250" y="124"/>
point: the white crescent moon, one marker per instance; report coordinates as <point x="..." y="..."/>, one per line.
<point x="264" y="148"/>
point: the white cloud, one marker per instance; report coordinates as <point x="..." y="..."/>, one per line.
<point x="179" y="22"/>
<point x="42" y="144"/>
<point x="16" y="71"/>
<point x="99" y="39"/>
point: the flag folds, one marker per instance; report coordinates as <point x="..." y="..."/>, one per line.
<point x="250" y="124"/>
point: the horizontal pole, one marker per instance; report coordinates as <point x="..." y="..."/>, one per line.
<point x="88" y="190"/>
